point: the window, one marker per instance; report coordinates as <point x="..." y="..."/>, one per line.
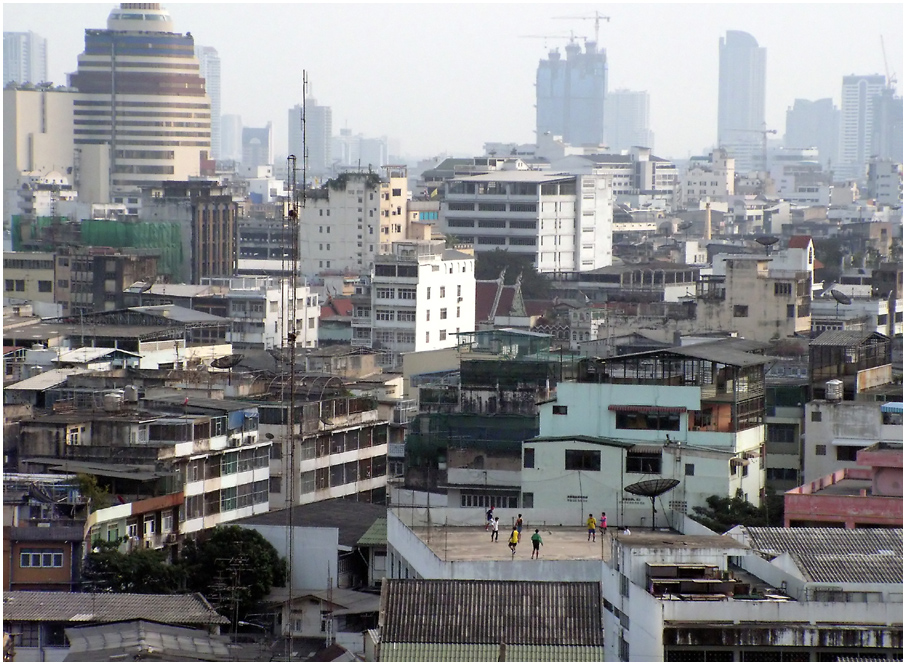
<point x="443" y="311"/>
<point x="816" y="416"/>
<point x="428" y="293"/>
<point x="443" y="335"/>
<point x="443" y="291"/>
<point x="528" y="499"/>
<point x="583" y="460"/>
<point x="690" y="469"/>
<point x="20" y="285"/>
<point x="8" y="285"/>
<point x="45" y="286"/>
<point x="791" y="311"/>
<point x="384" y="315"/>
<point x="740" y="311"/>
<point x="405" y="315"/>
<point x="41" y="558"/>
<point x="528" y="458"/>
<point x="782" y="433"/>
<point x="560" y="410"/>
<point x="847" y="453"/>
<point x="781" y="289"/>
<point x="427" y="337"/>
<point x="643" y="462"/>
<point x="428" y="315"/>
<point x="648" y="420"/>
<point x="406" y="294"/>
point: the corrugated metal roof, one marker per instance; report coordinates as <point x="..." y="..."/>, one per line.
<point x="487" y="653"/>
<point x="136" y="639"/>
<point x="45" y="380"/>
<point x="892" y="407"/>
<point x="62" y="606"/>
<point x="843" y="337"/>
<point x="835" y="556"/>
<point x="491" y="612"/>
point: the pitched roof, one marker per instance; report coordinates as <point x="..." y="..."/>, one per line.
<point x="492" y="612"/>
<point x="336" y="307"/>
<point x="352" y="518"/>
<point x="844" y="337"/>
<point x="45" y="380"/>
<point x="66" y="607"/>
<point x="376" y="534"/>
<point x="799" y="242"/>
<point x="835" y="556"/>
<point x="139" y="639"/>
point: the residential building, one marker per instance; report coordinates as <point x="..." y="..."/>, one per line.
<point x="710" y="178"/>
<point x="318" y="135"/>
<point x="626" y="120"/>
<point x="885" y="182"/>
<point x="755" y="593"/>
<point x="422" y="620"/>
<point x="869" y="495"/>
<point x="121" y="102"/>
<point x="741" y="100"/>
<point x="562" y="221"/>
<point x="40" y="619"/>
<point x="29" y="276"/>
<point x="24" y="58"/>
<point x="570" y="94"/>
<point x="705" y="430"/>
<point x="339" y="224"/>
<point x="860" y="360"/>
<point x="421" y="295"/>
<point x="209" y="68"/>
<point x="857" y="116"/>
<point x="90" y="279"/>
<point x="394" y="207"/>
<point x="814" y="124"/>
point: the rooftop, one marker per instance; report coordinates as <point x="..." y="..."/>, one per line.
<point x="137" y="640"/>
<point x="66" y="607"/>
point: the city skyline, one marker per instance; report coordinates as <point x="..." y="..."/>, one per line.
<point x="431" y="98"/>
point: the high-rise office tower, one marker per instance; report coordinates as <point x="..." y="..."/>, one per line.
<point x="24" y="57"/>
<point x="257" y="146"/>
<point x="856" y="122"/>
<point x="140" y="93"/>
<point x="741" y="100"/>
<point x="570" y="94"/>
<point x="887" y="126"/>
<point x="209" y="66"/>
<point x="814" y="124"/>
<point x="626" y="120"/>
<point x="231" y="137"/>
<point x="318" y="133"/>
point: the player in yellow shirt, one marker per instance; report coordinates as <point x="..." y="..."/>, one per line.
<point x="514" y="540"/>
<point x="592" y="527"/>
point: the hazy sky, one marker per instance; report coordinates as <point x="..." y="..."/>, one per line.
<point x="449" y="77"/>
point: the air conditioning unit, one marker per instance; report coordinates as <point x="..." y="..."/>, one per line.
<point x="171" y="538"/>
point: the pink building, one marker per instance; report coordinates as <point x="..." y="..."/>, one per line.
<point x="870" y="495"/>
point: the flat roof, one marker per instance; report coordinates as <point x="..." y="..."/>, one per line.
<point x="518" y="176"/>
<point x="45" y="380"/>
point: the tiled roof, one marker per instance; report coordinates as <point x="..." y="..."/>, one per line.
<point x="138" y="639"/>
<point x="65" y="607"/>
<point x="352" y="518"/>
<point x="489" y="653"/>
<point x="836" y="556"/>
<point x="456" y="612"/>
<point x="799" y="242"/>
<point x="376" y="534"/>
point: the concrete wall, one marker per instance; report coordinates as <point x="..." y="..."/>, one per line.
<point x="314" y="552"/>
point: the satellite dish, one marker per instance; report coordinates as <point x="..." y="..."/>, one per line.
<point x="682" y="226"/>
<point x="652" y="488"/>
<point x="269" y="436"/>
<point x="227" y="362"/>
<point x="841" y="297"/>
<point x="767" y="241"/>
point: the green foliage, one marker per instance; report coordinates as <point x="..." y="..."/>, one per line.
<point x="98" y="497"/>
<point x="489" y="264"/>
<point x="830" y="252"/>
<point x="233" y="563"/>
<point x="140" y="571"/>
<point x="723" y="513"/>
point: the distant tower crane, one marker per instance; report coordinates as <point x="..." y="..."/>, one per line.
<point x="572" y="37"/>
<point x="891" y="80"/>
<point x="764" y="143"/>
<point x="596" y="18"/>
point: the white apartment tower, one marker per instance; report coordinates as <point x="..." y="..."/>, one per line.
<point x="24" y="57"/>
<point x="209" y="66"/>
<point x="142" y="94"/>
<point x="859" y="96"/>
<point x="563" y="221"/>
<point x="626" y="120"/>
<point x="422" y="295"/>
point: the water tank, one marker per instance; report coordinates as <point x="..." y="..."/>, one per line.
<point x="113" y="400"/>
<point x="833" y="391"/>
<point x="130" y="394"/>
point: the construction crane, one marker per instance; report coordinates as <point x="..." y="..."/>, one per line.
<point x="596" y="18"/>
<point x="764" y="142"/>
<point x="572" y="37"/>
<point x="891" y="80"/>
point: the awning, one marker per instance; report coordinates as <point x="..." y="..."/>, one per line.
<point x="860" y="443"/>
<point x="647" y="409"/>
<point x="892" y="407"/>
<point x="738" y="461"/>
<point x="647" y="450"/>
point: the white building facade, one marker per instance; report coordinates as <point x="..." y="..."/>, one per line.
<point x="564" y="222"/>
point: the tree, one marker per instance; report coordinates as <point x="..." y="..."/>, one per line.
<point x="234" y="568"/>
<point x="140" y="571"/>
<point x="489" y="264"/>
<point x="723" y="513"/>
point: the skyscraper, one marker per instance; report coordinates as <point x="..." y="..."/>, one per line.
<point x="231" y="137"/>
<point x="887" y="126"/>
<point x="570" y="94"/>
<point x="140" y="93"/>
<point x="209" y="66"/>
<point x="814" y="124"/>
<point x="857" y="118"/>
<point x="24" y="57"/>
<point x="741" y="99"/>
<point x="257" y="146"/>
<point x="318" y="130"/>
<point x="626" y="120"/>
